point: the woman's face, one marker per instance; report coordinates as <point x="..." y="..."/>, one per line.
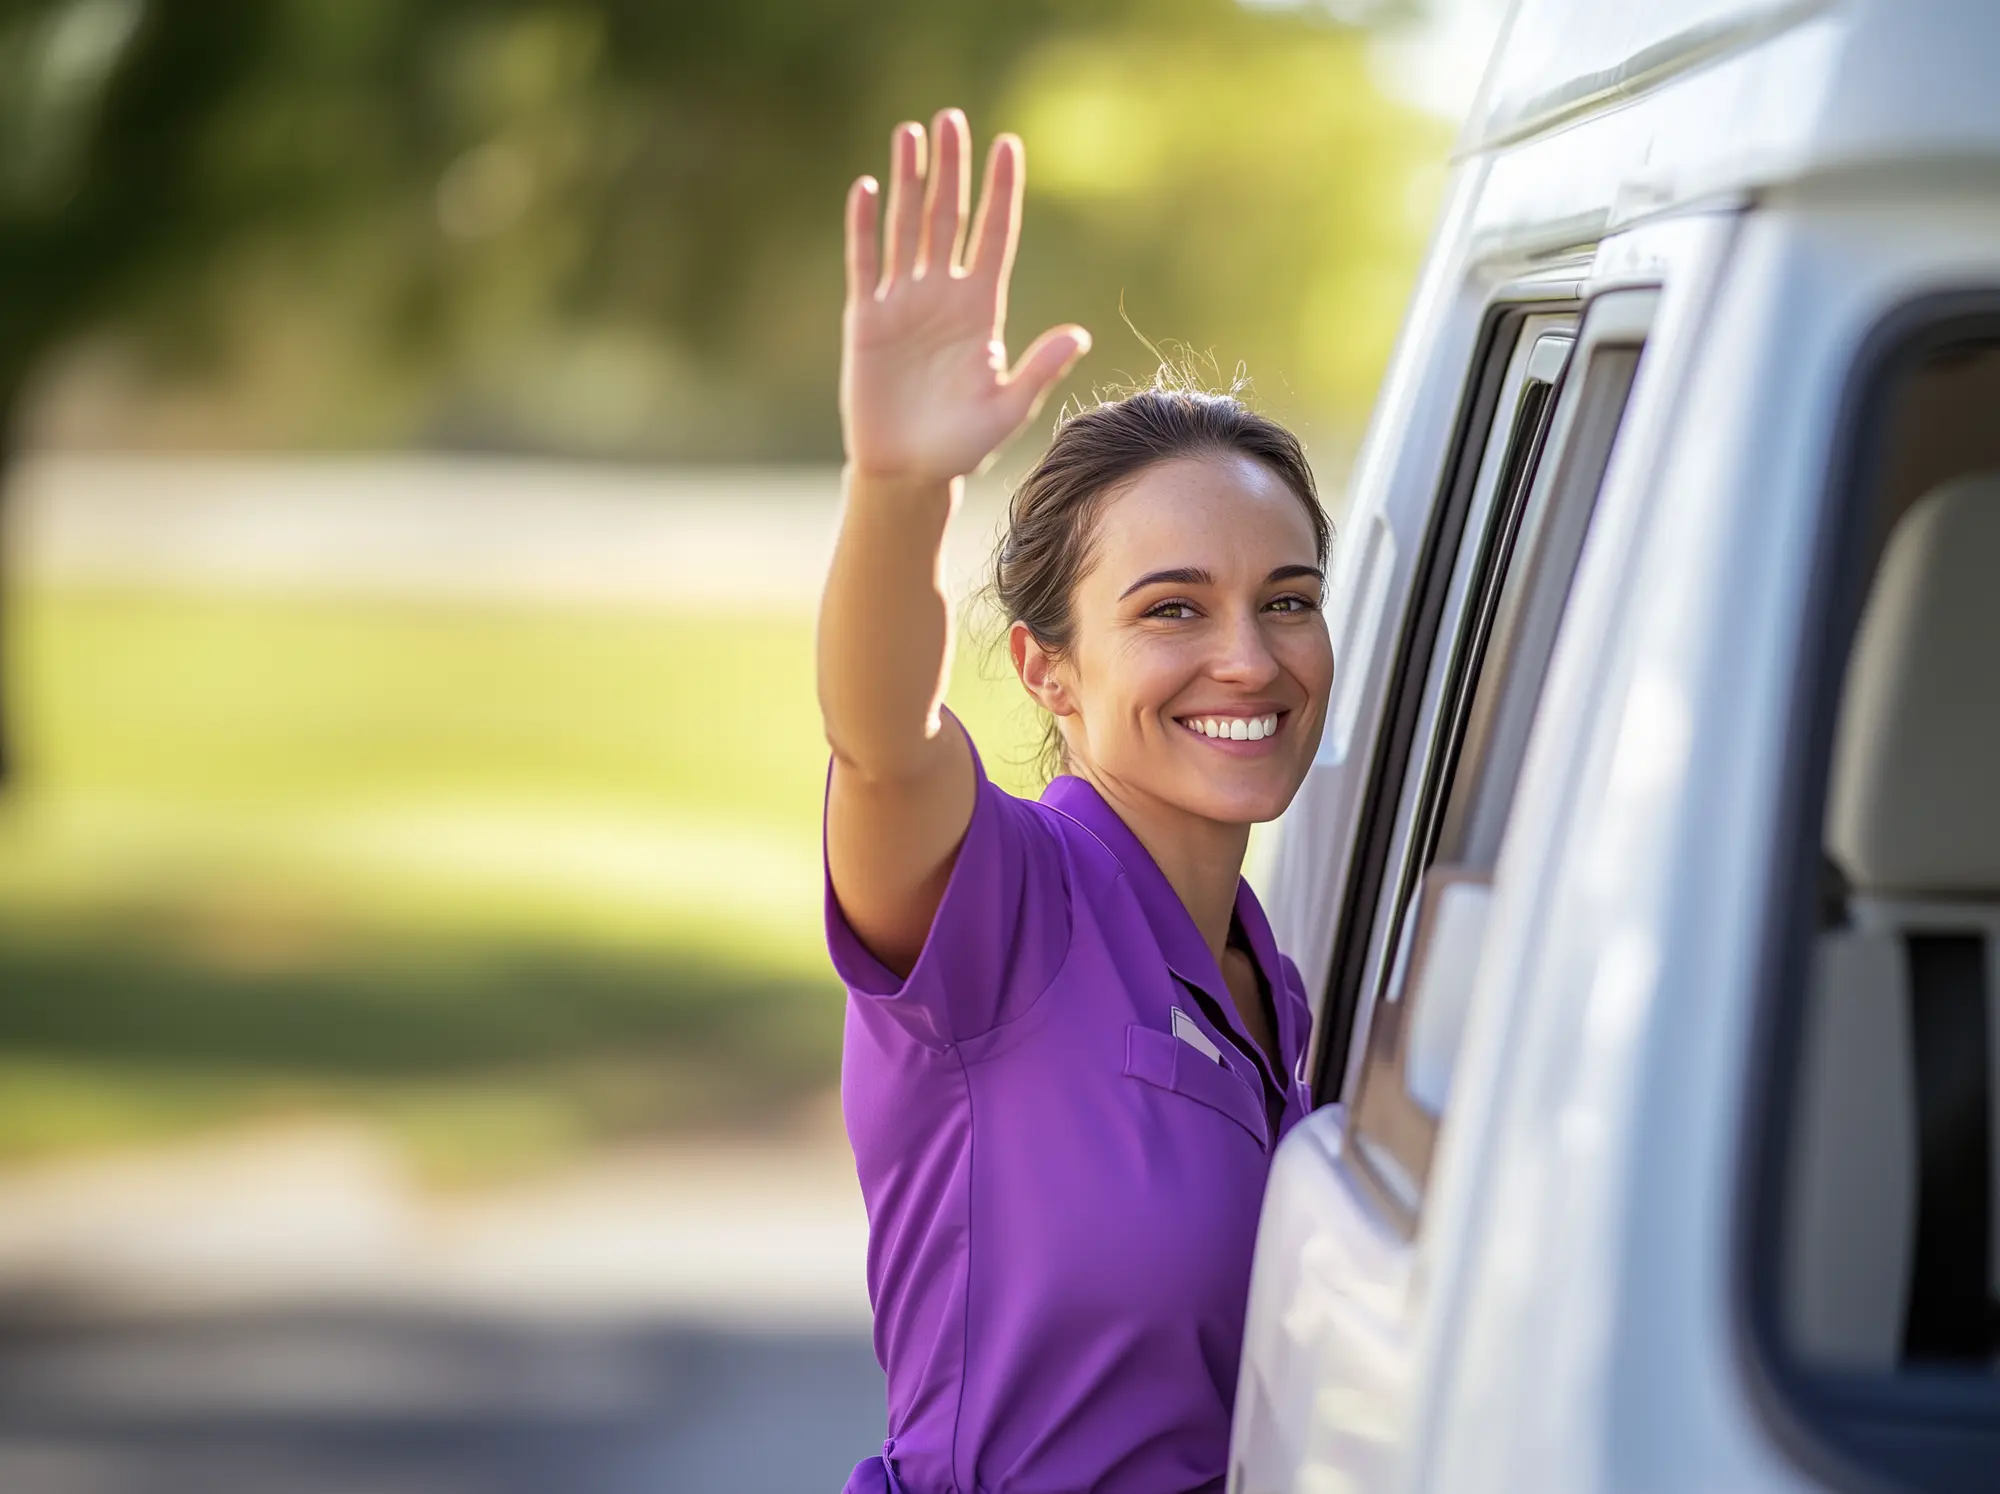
<point x="1201" y="667"/>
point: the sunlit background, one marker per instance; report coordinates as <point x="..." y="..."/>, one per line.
<point x="417" y="1056"/>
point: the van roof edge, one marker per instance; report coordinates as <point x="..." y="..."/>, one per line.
<point x="1652" y="67"/>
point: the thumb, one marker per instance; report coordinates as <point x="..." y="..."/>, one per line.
<point x="1047" y="359"/>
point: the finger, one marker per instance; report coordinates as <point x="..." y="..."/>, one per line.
<point x="906" y="195"/>
<point x="863" y="258"/>
<point x="944" y="214"/>
<point x="1048" y="358"/>
<point x="997" y="228"/>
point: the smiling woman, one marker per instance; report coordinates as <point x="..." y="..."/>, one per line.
<point x="1088" y="973"/>
<point x="1184" y="450"/>
<point x="1231" y="640"/>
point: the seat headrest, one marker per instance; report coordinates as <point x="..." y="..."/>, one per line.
<point x="1914" y="806"/>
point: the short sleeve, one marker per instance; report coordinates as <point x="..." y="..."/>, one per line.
<point x="1000" y="934"/>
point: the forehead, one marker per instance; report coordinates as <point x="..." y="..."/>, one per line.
<point x="1223" y="512"/>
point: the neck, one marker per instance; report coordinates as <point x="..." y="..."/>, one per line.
<point x="1202" y="859"/>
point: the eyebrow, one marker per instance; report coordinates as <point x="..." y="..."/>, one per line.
<point x="1194" y="575"/>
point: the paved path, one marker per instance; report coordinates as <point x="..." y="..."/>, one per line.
<point x="279" y="1313"/>
<point x="302" y="1401"/>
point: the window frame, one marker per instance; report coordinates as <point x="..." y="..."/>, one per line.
<point x="1341" y="1029"/>
<point x="1930" y="1429"/>
<point x="1498" y="657"/>
<point x="1615" y="326"/>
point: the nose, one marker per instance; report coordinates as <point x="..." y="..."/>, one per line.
<point x="1243" y="655"/>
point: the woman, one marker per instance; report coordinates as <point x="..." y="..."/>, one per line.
<point x="1071" y="1043"/>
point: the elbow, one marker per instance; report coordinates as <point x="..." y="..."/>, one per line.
<point x="884" y="761"/>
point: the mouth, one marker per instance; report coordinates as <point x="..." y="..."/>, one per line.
<point x="1235" y="731"/>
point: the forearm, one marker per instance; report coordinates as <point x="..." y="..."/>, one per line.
<point x="885" y="634"/>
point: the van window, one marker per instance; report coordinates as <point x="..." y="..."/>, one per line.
<point x="1875" y="1255"/>
<point x="1501" y="426"/>
<point x="1458" y="790"/>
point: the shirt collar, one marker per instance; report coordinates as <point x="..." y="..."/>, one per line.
<point x="1187" y="953"/>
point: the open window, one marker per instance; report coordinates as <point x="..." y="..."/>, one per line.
<point x="1872" y="1194"/>
<point x="1501" y="428"/>
<point x="1532" y="507"/>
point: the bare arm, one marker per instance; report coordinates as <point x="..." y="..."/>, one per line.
<point x="926" y="396"/>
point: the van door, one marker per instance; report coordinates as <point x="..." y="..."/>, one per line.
<point x="1342" y="1298"/>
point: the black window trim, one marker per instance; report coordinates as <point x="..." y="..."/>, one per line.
<point x="1394" y="1165"/>
<point x="1529" y="616"/>
<point x="1802" y="1410"/>
<point x="1395" y="734"/>
<point x="1397" y="1159"/>
<point x="1516" y="484"/>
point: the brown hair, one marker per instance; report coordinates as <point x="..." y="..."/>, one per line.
<point x="1051" y="520"/>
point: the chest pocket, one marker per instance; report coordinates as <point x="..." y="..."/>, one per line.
<point x="1160" y="1058"/>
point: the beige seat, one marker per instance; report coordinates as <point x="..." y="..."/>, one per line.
<point x="1913" y="819"/>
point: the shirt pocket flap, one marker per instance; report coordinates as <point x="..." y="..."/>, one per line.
<point x="1162" y="1059"/>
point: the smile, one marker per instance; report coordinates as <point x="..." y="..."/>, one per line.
<point x="1234" y="728"/>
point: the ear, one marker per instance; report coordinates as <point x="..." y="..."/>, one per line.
<point x="1039" y="671"/>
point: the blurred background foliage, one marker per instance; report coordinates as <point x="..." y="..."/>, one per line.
<point x="612" y="228"/>
<point x="517" y="880"/>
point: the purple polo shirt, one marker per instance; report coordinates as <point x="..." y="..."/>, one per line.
<point x="1062" y="1192"/>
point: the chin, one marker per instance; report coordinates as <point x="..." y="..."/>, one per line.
<point x="1246" y="803"/>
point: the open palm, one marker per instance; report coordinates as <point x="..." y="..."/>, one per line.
<point x="925" y="390"/>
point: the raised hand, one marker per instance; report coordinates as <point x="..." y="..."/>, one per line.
<point x="926" y="394"/>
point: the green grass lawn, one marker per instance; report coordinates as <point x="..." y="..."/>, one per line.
<point x="510" y="883"/>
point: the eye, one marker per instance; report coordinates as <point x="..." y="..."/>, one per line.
<point x="1292" y="602"/>
<point x="1173" y="610"/>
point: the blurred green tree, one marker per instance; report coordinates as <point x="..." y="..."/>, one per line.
<point x="612" y="226"/>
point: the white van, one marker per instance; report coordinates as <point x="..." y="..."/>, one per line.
<point x="1649" y="878"/>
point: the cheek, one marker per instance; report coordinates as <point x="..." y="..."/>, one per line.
<point x="1147" y="670"/>
<point x="1307" y="654"/>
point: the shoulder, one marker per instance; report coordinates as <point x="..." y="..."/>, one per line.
<point x="1091" y="863"/>
<point x="1000" y="933"/>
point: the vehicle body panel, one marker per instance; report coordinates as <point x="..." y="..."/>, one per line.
<point x="1564" y="1316"/>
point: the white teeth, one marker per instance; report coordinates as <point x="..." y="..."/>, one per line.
<point x="1233" y="728"/>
